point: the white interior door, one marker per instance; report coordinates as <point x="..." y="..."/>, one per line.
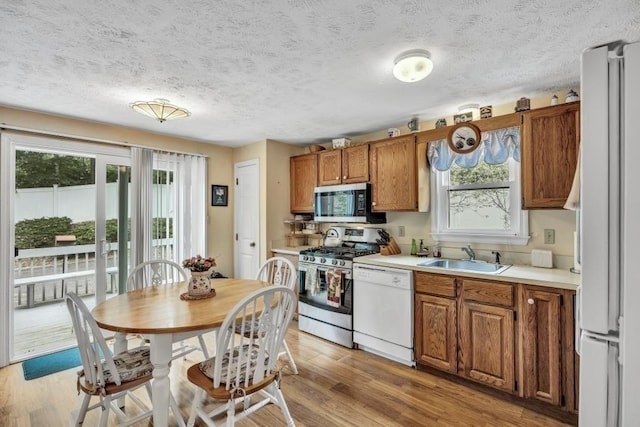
<point x="247" y="219"/>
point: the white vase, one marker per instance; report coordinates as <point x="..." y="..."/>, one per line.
<point x="199" y="283"/>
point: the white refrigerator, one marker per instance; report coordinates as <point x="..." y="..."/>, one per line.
<point x="608" y="309"/>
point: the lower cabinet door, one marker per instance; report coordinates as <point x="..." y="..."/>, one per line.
<point x="435" y="324"/>
<point x="541" y="345"/>
<point x="487" y="345"/>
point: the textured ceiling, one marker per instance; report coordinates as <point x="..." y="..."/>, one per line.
<point x="294" y="71"/>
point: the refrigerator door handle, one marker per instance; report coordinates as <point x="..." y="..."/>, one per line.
<point x="577" y="319"/>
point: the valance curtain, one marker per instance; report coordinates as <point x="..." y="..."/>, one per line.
<point x="495" y="147"/>
<point x="176" y="196"/>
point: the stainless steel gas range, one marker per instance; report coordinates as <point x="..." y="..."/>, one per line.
<point x="325" y="283"/>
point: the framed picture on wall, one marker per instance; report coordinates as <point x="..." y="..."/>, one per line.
<point x="219" y="195"/>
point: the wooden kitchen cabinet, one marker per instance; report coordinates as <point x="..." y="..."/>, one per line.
<point x="514" y="337"/>
<point x="435" y="331"/>
<point x="330" y="167"/>
<point x="345" y="166"/>
<point x="487" y="332"/>
<point x="458" y="331"/>
<point x="549" y="146"/>
<point x="547" y="346"/>
<point x="393" y="174"/>
<point x="304" y="175"/>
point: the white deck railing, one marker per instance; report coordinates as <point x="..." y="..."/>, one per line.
<point x="45" y="274"/>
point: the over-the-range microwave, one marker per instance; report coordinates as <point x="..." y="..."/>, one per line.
<point x="346" y="203"/>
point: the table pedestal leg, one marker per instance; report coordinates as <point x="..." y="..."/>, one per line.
<point x="160" y="389"/>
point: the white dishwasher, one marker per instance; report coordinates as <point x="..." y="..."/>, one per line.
<point x="383" y="311"/>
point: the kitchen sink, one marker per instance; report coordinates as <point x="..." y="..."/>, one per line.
<point x="465" y="264"/>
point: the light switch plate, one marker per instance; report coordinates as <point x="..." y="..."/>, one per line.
<point x="549" y="236"/>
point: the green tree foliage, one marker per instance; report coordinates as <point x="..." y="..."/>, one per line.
<point x="478" y="199"/>
<point x="34" y="170"/>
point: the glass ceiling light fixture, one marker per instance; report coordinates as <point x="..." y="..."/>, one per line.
<point x="160" y="109"/>
<point x="412" y="66"/>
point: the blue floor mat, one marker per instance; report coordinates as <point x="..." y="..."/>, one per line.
<point x="51" y="363"/>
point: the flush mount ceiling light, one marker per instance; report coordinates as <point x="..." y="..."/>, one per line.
<point x="412" y="66"/>
<point x="160" y="109"/>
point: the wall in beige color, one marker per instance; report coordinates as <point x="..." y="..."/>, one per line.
<point x="418" y="225"/>
<point x="219" y="165"/>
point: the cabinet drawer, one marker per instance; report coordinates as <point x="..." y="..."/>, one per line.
<point x="488" y="292"/>
<point x="435" y="284"/>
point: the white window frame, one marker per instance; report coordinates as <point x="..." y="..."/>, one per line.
<point x="518" y="234"/>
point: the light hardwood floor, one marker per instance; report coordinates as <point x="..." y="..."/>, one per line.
<point x="335" y="387"/>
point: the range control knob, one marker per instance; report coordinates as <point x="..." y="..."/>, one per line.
<point x="342" y="262"/>
<point x="323" y="260"/>
<point x="334" y="261"/>
<point x="312" y="258"/>
<point x="304" y="257"/>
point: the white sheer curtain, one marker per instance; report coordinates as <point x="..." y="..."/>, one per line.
<point x="181" y="200"/>
<point x="168" y="205"/>
<point x="141" y="204"/>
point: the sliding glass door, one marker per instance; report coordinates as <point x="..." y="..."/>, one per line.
<point x="69" y="229"/>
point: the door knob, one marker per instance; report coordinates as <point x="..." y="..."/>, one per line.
<point x="252" y="244"/>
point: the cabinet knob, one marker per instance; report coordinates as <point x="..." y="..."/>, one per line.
<point x="530" y="301"/>
<point x="337" y="178"/>
<point x="344" y="177"/>
<point x="373" y="203"/>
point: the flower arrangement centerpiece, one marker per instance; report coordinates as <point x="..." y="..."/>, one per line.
<point x="200" y="282"/>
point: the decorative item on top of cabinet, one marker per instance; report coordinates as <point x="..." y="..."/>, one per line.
<point x="549" y="146"/>
<point x="393" y="174"/>
<point x="345" y="166"/>
<point x="304" y="177"/>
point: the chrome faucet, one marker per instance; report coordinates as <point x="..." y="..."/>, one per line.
<point x="469" y="251"/>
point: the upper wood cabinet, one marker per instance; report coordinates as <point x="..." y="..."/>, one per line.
<point x="355" y="164"/>
<point x="550" y="141"/>
<point x="304" y="175"/>
<point x="393" y="174"/>
<point x="344" y="166"/>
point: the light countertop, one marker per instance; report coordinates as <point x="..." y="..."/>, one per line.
<point x="548" y="277"/>
<point x="290" y="250"/>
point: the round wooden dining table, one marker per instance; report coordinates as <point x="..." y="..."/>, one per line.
<point x="159" y="313"/>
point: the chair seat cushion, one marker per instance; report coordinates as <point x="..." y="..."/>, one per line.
<point x="208" y="365"/>
<point x="249" y="325"/>
<point x="131" y="365"/>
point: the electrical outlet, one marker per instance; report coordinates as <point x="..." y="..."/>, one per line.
<point x="401" y="231"/>
<point x="549" y="236"/>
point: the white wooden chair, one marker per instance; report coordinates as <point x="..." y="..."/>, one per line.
<point x="280" y="272"/>
<point x="107" y="376"/>
<point x="160" y="272"/>
<point x="244" y="362"/>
